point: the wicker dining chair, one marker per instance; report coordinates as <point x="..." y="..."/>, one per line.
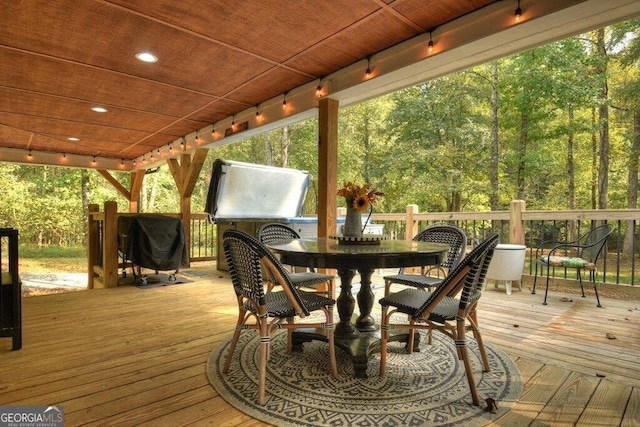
<point x="246" y="258"/>
<point x="274" y="233"/>
<point x="438" y="233"/>
<point x="580" y="254"/>
<point x="443" y="310"/>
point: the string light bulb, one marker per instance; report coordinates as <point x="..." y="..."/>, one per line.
<point x="430" y="44"/>
<point x="284" y="102"/>
<point x="367" y="73"/>
<point x="518" y="13"/>
<point x="319" y="91"/>
<point x="233" y="122"/>
<point x="213" y="130"/>
<point x="94" y="160"/>
<point x="196" y="137"/>
<point x="29" y="153"/>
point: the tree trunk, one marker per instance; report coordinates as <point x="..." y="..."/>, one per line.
<point x="268" y="149"/>
<point x="571" y="169"/>
<point x="571" y="179"/>
<point x="494" y="197"/>
<point x="284" y="147"/>
<point x="522" y="152"/>
<point x="603" y="118"/>
<point x="632" y="190"/>
<point x="594" y="160"/>
<point x="84" y="189"/>
<point x="366" y="145"/>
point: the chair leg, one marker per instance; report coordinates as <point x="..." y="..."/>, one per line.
<point x="290" y="320"/>
<point x="232" y="348"/>
<point x="411" y="338"/>
<point x="331" y="289"/>
<point x="384" y="336"/>
<point x="461" y="344"/>
<point x="595" y="287"/>
<point x="264" y="355"/>
<point x="332" y="349"/>
<point x="546" y="289"/>
<point x="535" y="280"/>
<point x="473" y="320"/>
<point x="387" y="287"/>
<point x="234" y="340"/>
<point x="581" y="285"/>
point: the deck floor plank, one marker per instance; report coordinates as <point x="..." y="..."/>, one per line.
<point x="632" y="412"/>
<point x="607" y="405"/>
<point x="130" y="356"/>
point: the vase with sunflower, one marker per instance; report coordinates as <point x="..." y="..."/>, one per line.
<point x="358" y="199"/>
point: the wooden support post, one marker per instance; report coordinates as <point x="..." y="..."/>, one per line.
<point x="185" y="174"/>
<point x="411" y="228"/>
<point x="327" y="166"/>
<point x="93" y="244"/>
<point x="135" y="187"/>
<point x="516" y="223"/>
<point x="110" y="245"/>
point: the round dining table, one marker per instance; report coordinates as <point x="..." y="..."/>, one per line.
<point x="356" y="337"/>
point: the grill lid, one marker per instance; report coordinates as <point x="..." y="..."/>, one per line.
<point x="240" y="190"/>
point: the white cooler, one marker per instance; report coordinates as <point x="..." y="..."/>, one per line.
<point x="506" y="265"/>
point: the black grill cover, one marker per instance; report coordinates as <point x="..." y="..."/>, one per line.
<point x="153" y="241"/>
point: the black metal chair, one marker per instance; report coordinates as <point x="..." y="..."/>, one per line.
<point x="439" y="233"/>
<point x="580" y="254"/>
<point x="246" y="258"/>
<point x="442" y="310"/>
<point x="274" y="233"/>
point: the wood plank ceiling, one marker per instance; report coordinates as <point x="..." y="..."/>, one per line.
<point x="216" y="58"/>
<point x="60" y="58"/>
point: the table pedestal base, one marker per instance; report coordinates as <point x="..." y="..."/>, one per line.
<point x="358" y="347"/>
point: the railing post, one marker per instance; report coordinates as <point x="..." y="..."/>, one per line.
<point x="516" y="223"/>
<point x="411" y="228"/>
<point x="110" y="245"/>
<point x="92" y="244"/>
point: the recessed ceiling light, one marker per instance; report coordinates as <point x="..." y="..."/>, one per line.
<point x="73" y="138"/>
<point x="146" y="57"/>
<point x="99" y="109"/>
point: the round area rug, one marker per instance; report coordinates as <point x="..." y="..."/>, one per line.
<point x="424" y="388"/>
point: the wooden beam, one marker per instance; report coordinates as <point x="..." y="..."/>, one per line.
<point x="327" y="166"/>
<point x="116" y="184"/>
<point x="135" y="182"/>
<point x="185" y="174"/>
<point x="193" y="173"/>
<point x="176" y="172"/>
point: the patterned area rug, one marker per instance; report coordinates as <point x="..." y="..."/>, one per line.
<point x="425" y="388"/>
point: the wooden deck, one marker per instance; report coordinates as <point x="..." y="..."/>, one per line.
<point x="129" y="356"/>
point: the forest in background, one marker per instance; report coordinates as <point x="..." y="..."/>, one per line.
<point x="557" y="126"/>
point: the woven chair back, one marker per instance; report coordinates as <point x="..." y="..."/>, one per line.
<point x="246" y="257"/>
<point x="450" y="235"/>
<point x="274" y="232"/>
<point x="466" y="278"/>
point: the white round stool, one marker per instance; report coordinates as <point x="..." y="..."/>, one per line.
<point x="506" y="265"/>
